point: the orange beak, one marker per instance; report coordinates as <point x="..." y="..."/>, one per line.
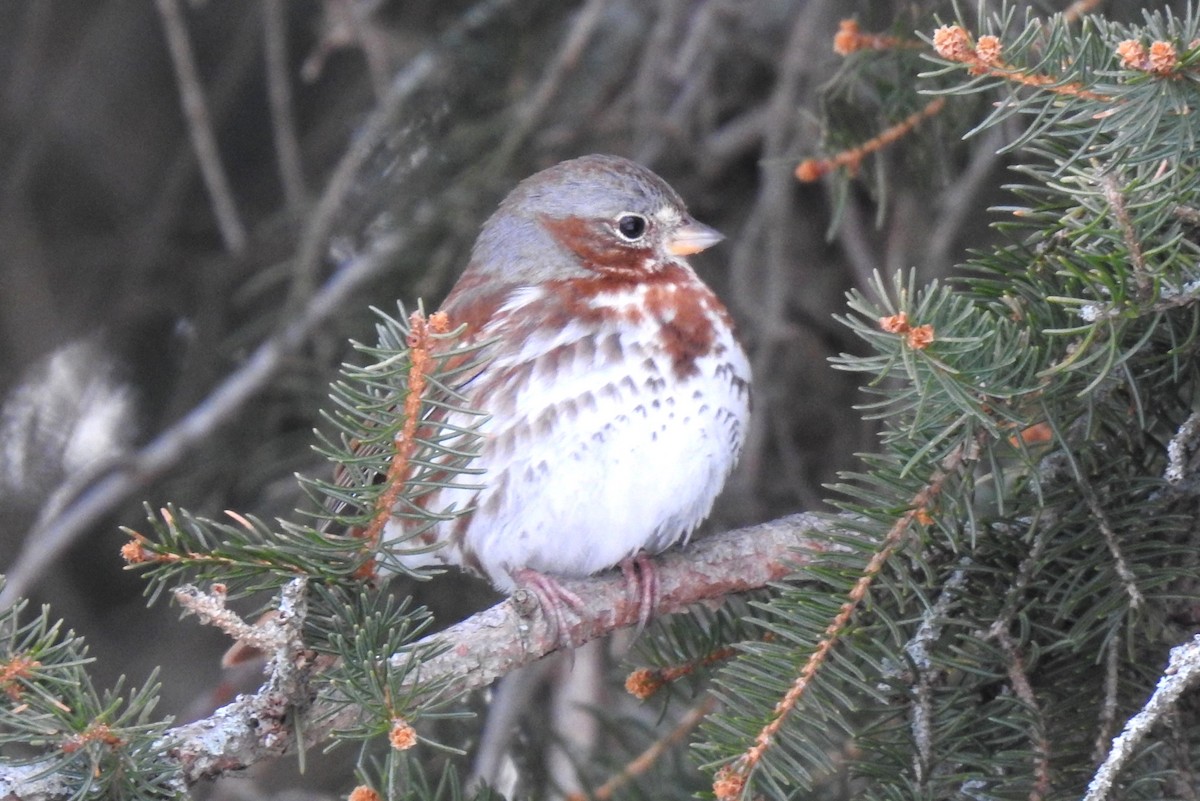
<point x="692" y="237"/>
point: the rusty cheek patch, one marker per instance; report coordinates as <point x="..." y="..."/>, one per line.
<point x="598" y="249"/>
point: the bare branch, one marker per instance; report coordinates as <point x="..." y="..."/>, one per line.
<point x="204" y="141"/>
<point x="567" y="58"/>
<point x="283" y="117"/>
<point x="55" y="532"/>
<point x="383" y="121"/>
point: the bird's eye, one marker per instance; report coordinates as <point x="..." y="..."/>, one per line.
<point x="631" y="226"/>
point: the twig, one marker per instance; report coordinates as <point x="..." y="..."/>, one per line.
<point x="1108" y="710"/>
<point x="565" y="60"/>
<point x="811" y="170"/>
<point x="760" y="258"/>
<point x="283" y="118"/>
<point x="690" y="75"/>
<point x="1182" y="674"/>
<point x="1114" y="546"/>
<point x="50" y="537"/>
<point x="1188" y="214"/>
<point x="383" y="120"/>
<point x="1019" y="681"/>
<point x="730" y="780"/>
<point x="1077" y="9"/>
<point x="962" y="196"/>
<point x="643" y="89"/>
<point x="918" y="650"/>
<point x="953" y="43"/>
<point x="1116" y="201"/>
<point x="731" y="140"/>
<point x="204" y="142"/>
<point x="645" y="760"/>
<point x="147" y="233"/>
<point x="1182" y="449"/>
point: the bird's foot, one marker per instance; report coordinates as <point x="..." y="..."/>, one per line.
<point x="554" y="599"/>
<point x="641" y="583"/>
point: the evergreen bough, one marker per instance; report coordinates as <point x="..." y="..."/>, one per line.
<point x="1013" y="566"/>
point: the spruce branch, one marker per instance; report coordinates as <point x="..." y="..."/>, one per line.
<point x="731" y="779"/>
<point x="811" y="170"/>
<point x="58" y="734"/>
<point x="496" y="641"/>
<point x="468" y="655"/>
<point x="643" y="762"/>
<point x="60" y="526"/>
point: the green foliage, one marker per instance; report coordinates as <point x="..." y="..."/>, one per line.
<point x="375" y="640"/>
<point x="368" y="402"/>
<point x="106" y="744"/>
<point x="1014" y="562"/>
<point x="84" y="742"/>
<point x="1041" y="560"/>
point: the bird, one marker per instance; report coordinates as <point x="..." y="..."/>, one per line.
<point x="616" y="390"/>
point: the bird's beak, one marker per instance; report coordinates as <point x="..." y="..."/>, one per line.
<point x="692" y="237"/>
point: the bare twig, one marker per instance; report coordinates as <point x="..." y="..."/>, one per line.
<point x="145" y="237"/>
<point x="958" y="201"/>
<point x="53" y="535"/>
<point x="283" y="118"/>
<point x="310" y="254"/>
<point x="1182" y="674"/>
<point x="1108" y="710"/>
<point x="565" y="60"/>
<point x="195" y="111"/>
<point x="760" y="257"/>
<point x="690" y="75"/>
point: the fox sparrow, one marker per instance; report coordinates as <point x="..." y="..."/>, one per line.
<point x="617" y="391"/>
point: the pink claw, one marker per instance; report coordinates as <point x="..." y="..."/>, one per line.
<point x="554" y="598"/>
<point x="641" y="581"/>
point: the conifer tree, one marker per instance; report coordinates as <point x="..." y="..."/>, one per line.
<point x="1003" y="607"/>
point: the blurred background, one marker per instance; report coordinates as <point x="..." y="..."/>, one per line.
<point x="143" y="262"/>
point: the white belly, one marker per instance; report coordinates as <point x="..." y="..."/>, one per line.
<point x="589" y="462"/>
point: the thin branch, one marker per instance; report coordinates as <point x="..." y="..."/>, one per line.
<point x="1114" y="546"/>
<point x="1019" y="680"/>
<point x="919" y="649"/>
<point x="760" y="258"/>
<point x="531" y="111"/>
<point x="204" y="142"/>
<point x="383" y="121"/>
<point x="1181" y="675"/>
<point x="1116" y="201"/>
<point x="1108" y="710"/>
<point x="283" y="117"/>
<point x="51" y="535"/>
<point x="645" y="760"/>
<point x="690" y="76"/>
